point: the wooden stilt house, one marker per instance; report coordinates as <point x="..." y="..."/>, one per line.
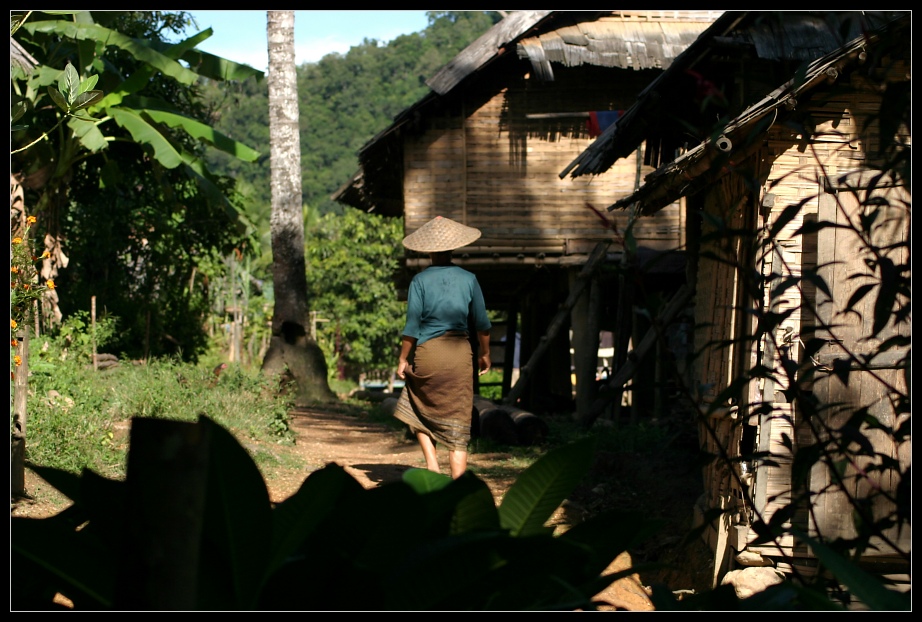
<point x="798" y="206"/>
<point x="484" y="148"/>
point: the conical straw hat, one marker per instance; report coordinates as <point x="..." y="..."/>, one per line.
<point x="440" y="234"/>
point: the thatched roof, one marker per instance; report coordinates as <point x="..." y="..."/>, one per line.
<point x="622" y="39"/>
<point x="487" y="47"/>
<point x="789" y="36"/>
<point x="701" y="165"/>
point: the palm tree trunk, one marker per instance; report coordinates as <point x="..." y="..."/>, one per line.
<point x="292" y="350"/>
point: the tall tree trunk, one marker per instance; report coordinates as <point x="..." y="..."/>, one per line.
<point x="292" y="353"/>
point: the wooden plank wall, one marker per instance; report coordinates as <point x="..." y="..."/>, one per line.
<point x="846" y="254"/>
<point x="494" y="168"/>
<point x="797" y="176"/>
<point x="435" y="176"/>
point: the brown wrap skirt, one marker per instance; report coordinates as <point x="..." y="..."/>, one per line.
<point x="438" y="397"/>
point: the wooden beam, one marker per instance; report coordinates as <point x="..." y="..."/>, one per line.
<point x="557" y="115"/>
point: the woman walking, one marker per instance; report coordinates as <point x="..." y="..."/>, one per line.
<point x="444" y="307"/>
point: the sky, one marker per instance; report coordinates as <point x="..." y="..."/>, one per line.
<point x="240" y="36"/>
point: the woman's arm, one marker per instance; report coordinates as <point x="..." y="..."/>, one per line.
<point x="483" y="361"/>
<point x="405" y="348"/>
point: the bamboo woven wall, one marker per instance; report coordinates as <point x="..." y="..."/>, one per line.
<point x="494" y="168"/>
<point x="716" y="322"/>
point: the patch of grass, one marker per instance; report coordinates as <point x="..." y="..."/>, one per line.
<point x="270" y="460"/>
<point x="78" y="416"/>
<point x="491" y="391"/>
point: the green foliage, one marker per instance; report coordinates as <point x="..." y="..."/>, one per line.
<point x="74" y="94"/>
<point x="125" y="185"/>
<point x="538" y="492"/>
<point x="240" y="308"/>
<point x="351" y="263"/>
<point x="70" y="424"/>
<point x="77" y="337"/>
<point x="78" y="417"/>
<point x="241" y="109"/>
<point x="162" y="288"/>
<point x="444" y="538"/>
<point x="493" y="391"/>
<point x="454" y="30"/>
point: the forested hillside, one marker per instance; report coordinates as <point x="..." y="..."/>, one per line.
<point x="344" y="101"/>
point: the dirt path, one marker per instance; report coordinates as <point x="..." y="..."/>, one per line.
<point x="375" y="454"/>
<point x="371" y="452"/>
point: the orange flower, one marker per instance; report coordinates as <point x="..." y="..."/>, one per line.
<point x="26" y="286"/>
<point x="14" y="269"/>
<point x="31" y="220"/>
<point x="13" y="323"/>
<point x="46" y="255"/>
<point x="50" y="284"/>
<point x="18" y="360"/>
<point x="17" y="240"/>
<point x="14" y="342"/>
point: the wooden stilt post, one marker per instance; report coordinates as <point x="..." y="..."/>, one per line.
<point x="595" y="258"/>
<point x="626" y="372"/>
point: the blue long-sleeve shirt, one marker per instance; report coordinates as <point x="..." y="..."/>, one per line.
<point x="444" y="298"/>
